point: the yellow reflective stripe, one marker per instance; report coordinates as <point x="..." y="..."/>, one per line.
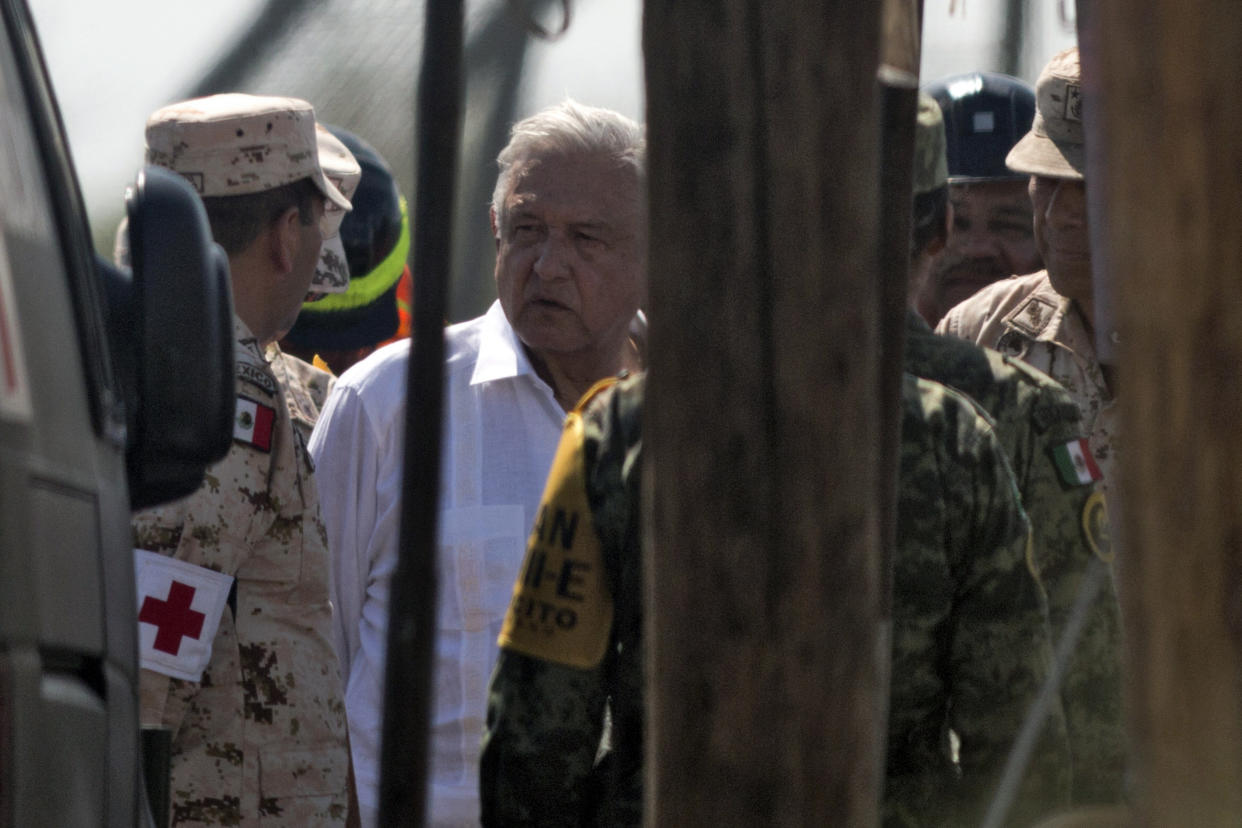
<point x="561" y="610"/>
<point x="365" y="289"/>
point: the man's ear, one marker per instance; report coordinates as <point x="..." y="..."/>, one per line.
<point x="284" y="237"/>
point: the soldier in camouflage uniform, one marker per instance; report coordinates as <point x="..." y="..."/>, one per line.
<point x="235" y="621"/>
<point x="1035" y="420"/>
<point x="971" y="646"/>
<point x="1047" y="319"/>
<point x="538" y="763"/>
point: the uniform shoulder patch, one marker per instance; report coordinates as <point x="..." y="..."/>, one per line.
<point x="1095" y="526"/>
<point x="561" y="610"/>
<point x="1075" y="463"/>
<point x="179" y="610"/>
<point x="257" y="377"/>
<point x="254" y="423"/>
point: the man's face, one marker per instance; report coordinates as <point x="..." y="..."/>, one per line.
<point x="992" y="239"/>
<point x="295" y="287"/>
<point x="571" y="254"/>
<point x="1060" y="222"/>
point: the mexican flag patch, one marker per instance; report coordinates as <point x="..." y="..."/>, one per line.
<point x="253" y="423"/>
<point x="1076" y="463"/>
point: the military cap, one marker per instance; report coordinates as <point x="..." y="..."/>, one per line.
<point x="1054" y="146"/>
<point x="931" y="170"/>
<point x="236" y="144"/>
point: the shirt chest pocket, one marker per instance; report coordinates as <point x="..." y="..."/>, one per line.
<point x="481" y="550"/>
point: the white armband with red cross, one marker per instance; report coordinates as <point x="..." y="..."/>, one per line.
<point x="179" y="610"/>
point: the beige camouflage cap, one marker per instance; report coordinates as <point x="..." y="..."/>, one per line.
<point x="1054" y="146"/>
<point x="931" y="167"/>
<point x="342" y="169"/>
<point x="235" y="144"/>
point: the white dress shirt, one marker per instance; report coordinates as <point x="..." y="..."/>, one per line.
<point x="501" y="427"/>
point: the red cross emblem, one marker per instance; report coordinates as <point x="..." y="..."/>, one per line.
<point x="173" y="618"/>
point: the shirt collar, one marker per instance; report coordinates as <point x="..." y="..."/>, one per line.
<point x="501" y="355"/>
<point x="1042" y="314"/>
<point x="1047" y="316"/>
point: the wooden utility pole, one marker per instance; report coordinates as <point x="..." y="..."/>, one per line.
<point x="762" y="420"/>
<point x="900" y="48"/>
<point x="1164" y="122"/>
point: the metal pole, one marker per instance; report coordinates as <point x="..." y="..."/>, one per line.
<point x="412" y="603"/>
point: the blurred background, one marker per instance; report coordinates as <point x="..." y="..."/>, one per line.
<point x="357" y="61"/>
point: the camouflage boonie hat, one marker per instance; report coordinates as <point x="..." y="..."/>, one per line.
<point x="1054" y="146"/>
<point x="235" y="144"/>
<point x="343" y="170"/>
<point x="931" y="169"/>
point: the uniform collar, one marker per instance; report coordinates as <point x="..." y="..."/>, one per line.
<point x="916" y="323"/>
<point x="1047" y="316"/>
<point x="248" y="347"/>
<point x="1043" y="315"/>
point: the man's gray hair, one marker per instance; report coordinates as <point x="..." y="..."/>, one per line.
<point x="570" y="128"/>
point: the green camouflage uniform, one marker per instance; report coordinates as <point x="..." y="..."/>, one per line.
<point x="260" y="740"/>
<point x="545" y="720"/>
<point x="971" y="645"/>
<point x="1033" y="416"/>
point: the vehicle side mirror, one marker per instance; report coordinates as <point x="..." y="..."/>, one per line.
<point x="177" y="358"/>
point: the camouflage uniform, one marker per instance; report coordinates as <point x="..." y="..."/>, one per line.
<point x="970" y="651"/>
<point x="260" y="740"/>
<point x="538" y="763"/>
<point x="306" y="388"/>
<point x="971" y="644"/>
<point x="1033" y="416"/>
<point x="1023" y="317"/>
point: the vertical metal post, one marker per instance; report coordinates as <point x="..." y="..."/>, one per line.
<point x="412" y="602"/>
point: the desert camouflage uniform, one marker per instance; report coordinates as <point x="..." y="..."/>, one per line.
<point x="971" y="646"/>
<point x="260" y="740"/>
<point x="1023" y="317"/>
<point x="971" y="643"/>
<point x="1032" y="416"/>
<point x="306" y="387"/>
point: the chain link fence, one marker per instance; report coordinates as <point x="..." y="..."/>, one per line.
<point x="357" y="62"/>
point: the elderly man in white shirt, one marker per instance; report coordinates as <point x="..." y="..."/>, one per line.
<point x="569" y="218"/>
